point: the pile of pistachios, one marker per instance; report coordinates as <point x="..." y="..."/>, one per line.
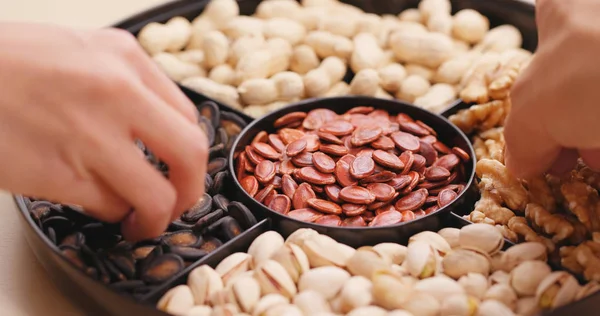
<point x="452" y="272"/>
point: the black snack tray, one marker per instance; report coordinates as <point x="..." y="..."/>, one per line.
<point x="514" y="12"/>
<point x="73" y="281"/>
<point x="99" y="299"/>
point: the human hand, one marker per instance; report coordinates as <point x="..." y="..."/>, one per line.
<point x="73" y="102"/>
<point x="555" y="112"/>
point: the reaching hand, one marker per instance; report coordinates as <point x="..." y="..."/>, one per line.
<point x="72" y="104"/>
<point x="555" y="115"/>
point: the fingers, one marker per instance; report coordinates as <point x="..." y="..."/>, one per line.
<point x="96" y="198"/>
<point x="180" y="144"/>
<point x="122" y="168"/>
<point x="165" y="88"/>
<point x="591" y="157"/>
<point x="565" y="162"/>
<point x="125" y="44"/>
<point x="530" y="150"/>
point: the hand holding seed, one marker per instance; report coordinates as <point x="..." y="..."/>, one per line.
<point x="73" y="104"/>
<point x="554" y="100"/>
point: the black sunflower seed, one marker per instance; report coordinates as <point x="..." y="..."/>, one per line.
<point x="216" y="165"/>
<point x="201" y="208"/>
<point x="208" y="129"/>
<point x="189" y="253"/>
<point x="162" y="268"/>
<point x="183" y="238"/>
<point x="203" y="223"/>
<point x="242" y="214"/>
<point x="210" y="110"/>
<point x="220" y="202"/>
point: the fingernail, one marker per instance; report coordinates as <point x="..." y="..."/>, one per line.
<point x="197" y="112"/>
<point x="130" y="228"/>
<point x="565" y="162"/>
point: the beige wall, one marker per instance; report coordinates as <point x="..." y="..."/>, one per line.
<point x="79" y="13"/>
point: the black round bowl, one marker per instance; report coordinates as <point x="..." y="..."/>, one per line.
<point x="359" y="236"/>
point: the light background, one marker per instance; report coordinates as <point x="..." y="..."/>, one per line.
<point x="24" y="287"/>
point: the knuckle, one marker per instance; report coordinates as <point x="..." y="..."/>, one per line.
<point x="119" y="82"/>
<point x="198" y="149"/>
<point x="101" y="83"/>
<point x="125" y="42"/>
<point x="167" y="200"/>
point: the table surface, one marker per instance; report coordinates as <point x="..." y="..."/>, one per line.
<point x="24" y="287"/>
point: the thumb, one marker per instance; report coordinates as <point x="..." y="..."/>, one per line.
<point x="529" y="149"/>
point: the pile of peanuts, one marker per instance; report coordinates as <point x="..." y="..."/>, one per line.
<point x="563" y="213"/>
<point x="454" y="272"/>
<point x="288" y="51"/>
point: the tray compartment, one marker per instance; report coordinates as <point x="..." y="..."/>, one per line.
<point x="514" y="12"/>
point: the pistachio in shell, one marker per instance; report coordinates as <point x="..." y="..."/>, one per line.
<point x="399" y="312"/>
<point x="481" y="236"/>
<point x="323" y="250"/>
<point x="422" y="303"/>
<point x="435" y="240"/>
<point x="493" y="308"/>
<point x="273" y="278"/>
<point x="499" y="277"/>
<point x="496" y="262"/>
<point x="225" y="310"/>
<point x="293" y="259"/>
<point x="218" y="298"/>
<point x="327" y="280"/>
<point x="368" y="311"/>
<point x="439" y="287"/>
<point x="558" y="289"/>
<point x="234" y="264"/>
<point x="450" y="234"/>
<point x="395" y="253"/>
<point x="390" y="291"/>
<point x="268" y="301"/>
<point x="518" y="253"/>
<point x="203" y="282"/>
<point x="199" y="310"/>
<point x="177" y="301"/>
<point x="527" y="276"/>
<point x="502" y="293"/>
<point x="365" y="261"/>
<point x="263" y="247"/>
<point x="460" y="262"/>
<point x="284" y="309"/>
<point x="398" y="269"/>
<point x="311" y="302"/>
<point x="300" y="235"/>
<point x="459" y="305"/>
<point x="587" y="290"/>
<point x="422" y="260"/>
<point x="233" y="279"/>
<point x="356" y="292"/>
<point x="244" y="293"/>
<point x="474" y="284"/>
<point x="527" y="306"/>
